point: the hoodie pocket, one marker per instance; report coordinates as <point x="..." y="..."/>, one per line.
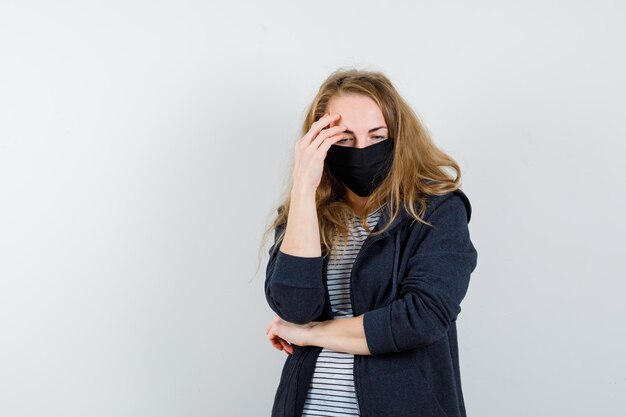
<point x="434" y="403"/>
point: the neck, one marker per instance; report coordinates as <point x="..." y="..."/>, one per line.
<point x="355" y="201"/>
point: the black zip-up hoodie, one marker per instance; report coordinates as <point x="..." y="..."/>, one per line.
<point x="409" y="283"/>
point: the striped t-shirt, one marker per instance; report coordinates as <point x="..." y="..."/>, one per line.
<point x="331" y="391"/>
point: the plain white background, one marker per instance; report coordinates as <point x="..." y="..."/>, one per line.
<point x="144" y="146"/>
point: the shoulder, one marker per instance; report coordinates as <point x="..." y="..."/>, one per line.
<point x="456" y="201"/>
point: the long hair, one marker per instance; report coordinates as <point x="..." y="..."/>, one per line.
<point x="417" y="171"/>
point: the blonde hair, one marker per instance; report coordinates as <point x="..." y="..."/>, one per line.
<point x="416" y="173"/>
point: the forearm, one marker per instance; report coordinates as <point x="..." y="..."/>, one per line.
<point x="294" y="286"/>
<point x="302" y="236"/>
<point x="341" y="334"/>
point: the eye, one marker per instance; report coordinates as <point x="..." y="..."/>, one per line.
<point x="380" y="137"/>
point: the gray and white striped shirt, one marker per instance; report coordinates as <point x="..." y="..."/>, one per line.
<point x="331" y="391"/>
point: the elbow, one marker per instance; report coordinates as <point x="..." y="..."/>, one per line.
<point x="406" y="324"/>
<point x="294" y="287"/>
<point x="295" y="305"/>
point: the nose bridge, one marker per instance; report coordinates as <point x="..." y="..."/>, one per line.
<point x="361" y="141"/>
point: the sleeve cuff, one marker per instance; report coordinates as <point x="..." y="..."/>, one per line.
<point x="378" y="334"/>
<point x="298" y="271"/>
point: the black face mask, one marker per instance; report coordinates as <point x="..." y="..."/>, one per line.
<point x="361" y="169"/>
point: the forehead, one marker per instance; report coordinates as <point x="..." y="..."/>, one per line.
<point x="357" y="111"/>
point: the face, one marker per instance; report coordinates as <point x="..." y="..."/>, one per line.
<point x="362" y="117"/>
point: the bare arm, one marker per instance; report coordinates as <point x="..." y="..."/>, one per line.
<point x="341" y="335"/>
<point x="302" y="237"/>
<point x="294" y="277"/>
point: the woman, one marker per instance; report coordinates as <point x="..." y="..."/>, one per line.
<point x="370" y="262"/>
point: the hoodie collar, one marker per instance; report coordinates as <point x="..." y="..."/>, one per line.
<point x="403" y="215"/>
<point x="385" y="215"/>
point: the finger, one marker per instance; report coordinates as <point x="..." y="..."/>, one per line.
<point x="327" y="143"/>
<point x="276" y="343"/>
<point x="317" y="126"/>
<point x="320" y="142"/>
<point x="287" y="348"/>
<point x="327" y="133"/>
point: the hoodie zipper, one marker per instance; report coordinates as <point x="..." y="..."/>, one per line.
<point x="368" y="242"/>
<point x="295" y="411"/>
<point x="302" y="358"/>
<point x="325" y="283"/>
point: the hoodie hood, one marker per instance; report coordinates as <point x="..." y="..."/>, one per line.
<point x="432" y="203"/>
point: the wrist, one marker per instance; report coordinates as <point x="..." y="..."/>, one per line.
<point x="302" y="192"/>
<point x="313" y="334"/>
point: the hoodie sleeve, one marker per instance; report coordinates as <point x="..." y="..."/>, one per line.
<point x="294" y="287"/>
<point x="436" y="281"/>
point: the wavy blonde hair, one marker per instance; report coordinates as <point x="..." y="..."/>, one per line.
<point x="417" y="171"/>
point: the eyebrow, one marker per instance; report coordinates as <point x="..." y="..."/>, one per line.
<point x="369" y="131"/>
